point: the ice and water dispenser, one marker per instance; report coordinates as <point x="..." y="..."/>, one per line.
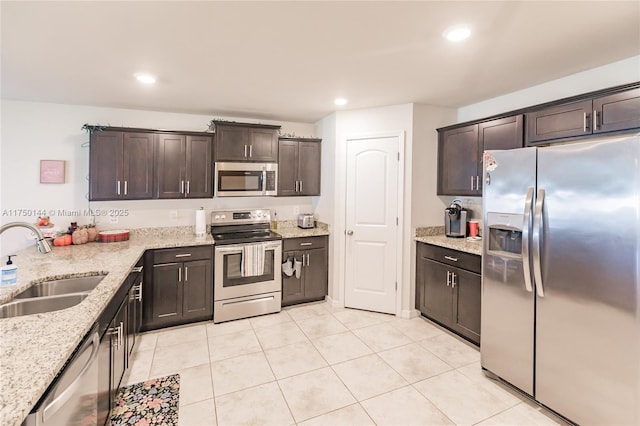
<point x="504" y="233"/>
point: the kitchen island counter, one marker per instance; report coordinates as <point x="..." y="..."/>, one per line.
<point x="34" y="348"/>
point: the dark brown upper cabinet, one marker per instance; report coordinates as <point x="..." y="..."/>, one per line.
<point x="299" y="164"/>
<point x="460" y="151"/>
<point x="620" y="111"/>
<point x="183" y="166"/>
<point x="458" y="155"/>
<point x="602" y="114"/>
<point x="246" y="142"/>
<point x="561" y="121"/>
<point x="121" y="165"/>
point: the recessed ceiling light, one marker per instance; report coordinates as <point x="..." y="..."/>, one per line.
<point x="145" y="78"/>
<point x="340" y="101"/>
<point x="457" y="33"/>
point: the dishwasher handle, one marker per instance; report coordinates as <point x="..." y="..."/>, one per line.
<point x="66" y="394"/>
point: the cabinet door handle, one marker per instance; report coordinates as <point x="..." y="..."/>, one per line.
<point x="182" y="187"/>
<point x="245" y="151"/>
<point x="250" y="151"/>
<point x="188" y="187"/>
<point x="306" y="244"/>
<point x="584" y="122"/>
<point x="183" y="255"/>
<point x="118" y="187"/>
<point x="303" y="260"/>
<point x="453" y="280"/>
<point x="300" y="186"/>
<point x="296" y="190"/>
<point x="125" y="187"/>
<point x="308" y="260"/>
<point x="180" y="275"/>
<point x="453" y="259"/>
<point x="595" y="121"/>
<point x="448" y="278"/>
<point x="477" y="183"/>
<point x="139" y="297"/>
<point x="186" y="273"/>
<point x="115" y="331"/>
<point x="120" y="334"/>
<point x="472" y="183"/>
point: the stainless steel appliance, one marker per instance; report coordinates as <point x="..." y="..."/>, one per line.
<point x="73" y="397"/>
<point x="455" y="221"/>
<point x="306" y="221"/>
<point x="240" y="179"/>
<point x="561" y="276"/>
<point x="239" y="290"/>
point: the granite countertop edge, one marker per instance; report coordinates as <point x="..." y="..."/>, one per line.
<point x="430" y="235"/>
<point x="34" y="348"/>
<point x="292" y="231"/>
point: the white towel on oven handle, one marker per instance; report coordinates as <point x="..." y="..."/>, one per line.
<point x="253" y="260"/>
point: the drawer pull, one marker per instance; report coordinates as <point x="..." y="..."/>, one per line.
<point x="184" y="255"/>
<point x="453" y="259"/>
<point x="306" y="244"/>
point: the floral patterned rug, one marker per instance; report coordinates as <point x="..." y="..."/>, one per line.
<point x="153" y="402"/>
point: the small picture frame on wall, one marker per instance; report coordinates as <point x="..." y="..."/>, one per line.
<point x="51" y="171"/>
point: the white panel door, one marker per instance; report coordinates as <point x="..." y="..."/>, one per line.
<point x="371" y="224"/>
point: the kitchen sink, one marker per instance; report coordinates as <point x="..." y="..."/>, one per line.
<point x="39" y="305"/>
<point x="63" y="286"/>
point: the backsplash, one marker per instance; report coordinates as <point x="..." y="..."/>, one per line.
<point x="172" y="213"/>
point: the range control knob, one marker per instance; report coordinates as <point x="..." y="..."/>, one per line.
<point x="216" y="217"/>
<point x="223" y="217"/>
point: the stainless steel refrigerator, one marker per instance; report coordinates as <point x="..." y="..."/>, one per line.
<point x="561" y="276"/>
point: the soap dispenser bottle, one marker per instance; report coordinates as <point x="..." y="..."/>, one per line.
<point x="9" y="273"/>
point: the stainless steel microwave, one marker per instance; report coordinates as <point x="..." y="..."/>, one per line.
<point x="233" y="179"/>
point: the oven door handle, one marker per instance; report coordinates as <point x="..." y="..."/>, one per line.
<point x="238" y="248"/>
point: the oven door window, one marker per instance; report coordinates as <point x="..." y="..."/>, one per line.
<point x="239" y="181"/>
<point x="232" y="276"/>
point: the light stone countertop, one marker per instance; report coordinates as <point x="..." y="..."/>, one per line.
<point x="436" y="237"/>
<point x="289" y="229"/>
<point x="33" y="348"/>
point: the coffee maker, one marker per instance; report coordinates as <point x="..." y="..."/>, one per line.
<point x="455" y="220"/>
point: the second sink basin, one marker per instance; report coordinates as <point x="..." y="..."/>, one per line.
<point x="64" y="286"/>
<point x="40" y="305"/>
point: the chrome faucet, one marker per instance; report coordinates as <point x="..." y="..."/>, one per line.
<point x="42" y="244"/>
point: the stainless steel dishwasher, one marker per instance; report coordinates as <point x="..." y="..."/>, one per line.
<point x="73" y="397"/>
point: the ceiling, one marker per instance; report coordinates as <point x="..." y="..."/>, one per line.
<point x="289" y="60"/>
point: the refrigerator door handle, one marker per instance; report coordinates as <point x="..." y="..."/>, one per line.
<point x="537" y="242"/>
<point x="526" y="230"/>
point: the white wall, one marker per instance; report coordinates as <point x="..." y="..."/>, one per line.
<point x="324" y="207"/>
<point x="614" y="74"/>
<point x="40" y="131"/>
<point x="345" y="125"/>
<point x="426" y="207"/>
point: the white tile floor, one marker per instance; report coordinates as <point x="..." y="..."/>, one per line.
<point x="318" y="365"/>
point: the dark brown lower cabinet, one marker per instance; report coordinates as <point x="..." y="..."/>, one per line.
<point x="115" y="344"/>
<point x="448" y="294"/>
<point x="313" y="282"/>
<point x="178" y="286"/>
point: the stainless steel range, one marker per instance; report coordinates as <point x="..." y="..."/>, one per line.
<point x="248" y="259"/>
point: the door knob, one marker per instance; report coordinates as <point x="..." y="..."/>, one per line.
<point x="349" y="232"/>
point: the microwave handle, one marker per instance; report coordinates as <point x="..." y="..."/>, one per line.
<point x="263" y="181"/>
